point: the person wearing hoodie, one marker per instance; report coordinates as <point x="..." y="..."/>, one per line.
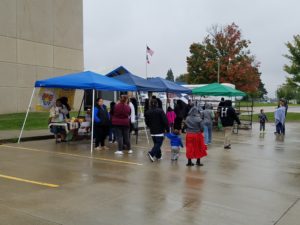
<point x="156" y="120"/>
<point x="208" y="116"/>
<point x="228" y="116"/>
<point x="195" y="147"/>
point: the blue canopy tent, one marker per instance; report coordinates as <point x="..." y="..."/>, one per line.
<point x="169" y="86"/>
<point x="84" y="81"/>
<point x="140" y="83"/>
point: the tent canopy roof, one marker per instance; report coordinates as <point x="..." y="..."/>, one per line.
<point x="140" y="83"/>
<point x="85" y="80"/>
<point x="118" y="71"/>
<point x="216" y="89"/>
<point x="169" y="86"/>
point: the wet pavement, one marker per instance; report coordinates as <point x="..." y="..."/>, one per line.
<point x="256" y="182"/>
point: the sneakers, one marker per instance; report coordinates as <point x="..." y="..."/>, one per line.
<point x="105" y="148"/>
<point x="150" y="157"/>
<point x="119" y="152"/>
<point x="98" y="148"/>
<point x="130" y="151"/>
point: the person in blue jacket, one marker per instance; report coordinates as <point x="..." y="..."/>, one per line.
<point x="101" y="124"/>
<point x="176" y="143"/>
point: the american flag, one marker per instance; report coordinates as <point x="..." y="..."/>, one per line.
<point x="149" y="51"/>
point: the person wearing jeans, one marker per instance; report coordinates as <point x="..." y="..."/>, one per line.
<point x="156" y="120"/>
<point x="120" y="120"/>
<point x="228" y="116"/>
<point x="208" y="116"/>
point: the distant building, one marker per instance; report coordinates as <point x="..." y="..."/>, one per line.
<point x="38" y="40"/>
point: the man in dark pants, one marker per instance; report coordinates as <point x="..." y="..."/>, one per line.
<point x="156" y="120"/>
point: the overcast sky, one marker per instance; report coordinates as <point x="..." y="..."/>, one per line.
<point x="116" y="33"/>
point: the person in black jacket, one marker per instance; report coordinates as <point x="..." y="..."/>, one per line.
<point x="180" y="111"/>
<point x="228" y="116"/>
<point x="156" y="120"/>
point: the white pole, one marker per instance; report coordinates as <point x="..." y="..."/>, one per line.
<point x="143" y="117"/>
<point x="92" y="133"/>
<point x="218" y="70"/>
<point x="26" y="115"/>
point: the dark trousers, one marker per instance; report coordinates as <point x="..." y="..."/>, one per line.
<point x="156" y="151"/>
<point x="100" y="134"/>
<point x="112" y="134"/>
<point x="178" y="123"/>
<point x="279" y="128"/>
<point x="262" y="126"/>
<point x="122" y="134"/>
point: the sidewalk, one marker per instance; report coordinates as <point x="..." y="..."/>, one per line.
<point x="11" y="134"/>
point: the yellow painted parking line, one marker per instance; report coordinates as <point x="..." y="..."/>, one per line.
<point x="73" y="155"/>
<point x="29" y="181"/>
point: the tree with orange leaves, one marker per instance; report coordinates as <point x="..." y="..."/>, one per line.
<point x="224" y="52"/>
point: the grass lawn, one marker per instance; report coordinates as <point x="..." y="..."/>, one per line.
<point x="262" y="104"/>
<point x="291" y="117"/>
<point x="35" y="121"/>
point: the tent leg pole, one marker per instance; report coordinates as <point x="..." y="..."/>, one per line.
<point x="92" y="133"/>
<point x="144" y="119"/>
<point x="81" y="104"/>
<point x="26" y="115"/>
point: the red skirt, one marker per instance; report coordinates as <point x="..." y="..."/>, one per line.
<point x="195" y="146"/>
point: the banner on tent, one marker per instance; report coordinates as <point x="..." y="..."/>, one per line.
<point x="48" y="96"/>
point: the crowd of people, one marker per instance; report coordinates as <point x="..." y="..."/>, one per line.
<point x="194" y="120"/>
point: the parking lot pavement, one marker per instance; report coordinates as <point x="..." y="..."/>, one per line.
<point x="256" y="182"/>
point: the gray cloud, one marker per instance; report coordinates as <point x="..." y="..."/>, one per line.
<point x="116" y="32"/>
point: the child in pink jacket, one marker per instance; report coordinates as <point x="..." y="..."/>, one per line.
<point x="171" y="117"/>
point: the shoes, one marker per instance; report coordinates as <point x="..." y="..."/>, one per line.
<point x="150" y="157"/>
<point x="190" y="164"/>
<point x="98" y="148"/>
<point x="227" y="147"/>
<point x="199" y="164"/>
<point x="130" y="151"/>
<point x="105" y="148"/>
<point x="110" y="142"/>
<point x="119" y="153"/>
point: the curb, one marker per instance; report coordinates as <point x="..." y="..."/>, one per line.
<point x="35" y="138"/>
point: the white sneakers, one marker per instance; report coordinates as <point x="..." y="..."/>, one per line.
<point x="119" y="152"/>
<point x="130" y="151"/>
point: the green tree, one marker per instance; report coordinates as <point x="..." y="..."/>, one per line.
<point x="262" y="91"/>
<point x="294" y="57"/>
<point x="287" y="91"/>
<point x="224" y="52"/>
<point x="182" y="78"/>
<point x="170" y="75"/>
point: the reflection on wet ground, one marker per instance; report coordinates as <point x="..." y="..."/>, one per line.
<point x="256" y="182"/>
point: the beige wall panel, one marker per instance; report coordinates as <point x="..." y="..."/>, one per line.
<point x="8" y="49"/>
<point x="43" y="73"/>
<point x="8" y="75"/>
<point x="9" y="104"/>
<point x="24" y="95"/>
<point x="35" y="20"/>
<point x="33" y="53"/>
<point x="8" y="18"/>
<point x="65" y="58"/>
<point x="68" y="23"/>
<point x="26" y="75"/>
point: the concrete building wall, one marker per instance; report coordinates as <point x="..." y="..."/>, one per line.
<point x="38" y="39"/>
